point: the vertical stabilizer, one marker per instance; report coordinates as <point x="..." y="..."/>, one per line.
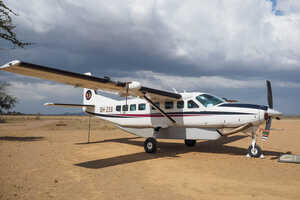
<point x="91" y="97"/>
<point x="88" y="94"/>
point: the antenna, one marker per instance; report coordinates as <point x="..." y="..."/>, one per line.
<point x="89" y="133"/>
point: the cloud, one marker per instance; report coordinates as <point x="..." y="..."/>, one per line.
<point x="288" y="6"/>
<point x="208" y="35"/>
<point x="194" y="45"/>
<point x="32" y="96"/>
<point x="167" y="82"/>
<point x="41" y="91"/>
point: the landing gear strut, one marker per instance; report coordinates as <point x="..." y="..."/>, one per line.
<point x="254" y="150"/>
<point x="150" y="145"/>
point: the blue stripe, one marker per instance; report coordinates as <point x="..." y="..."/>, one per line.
<point x="239" y="105"/>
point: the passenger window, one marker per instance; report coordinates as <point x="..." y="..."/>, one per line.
<point x="192" y="104"/>
<point x="125" y="108"/>
<point x="118" y="108"/>
<point x="169" y="104"/>
<point x="180" y="104"/>
<point x="132" y="107"/>
<point x="157" y="104"/>
<point x="142" y="106"/>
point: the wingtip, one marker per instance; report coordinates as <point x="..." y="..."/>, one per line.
<point x="48" y="104"/>
<point x="11" y="63"/>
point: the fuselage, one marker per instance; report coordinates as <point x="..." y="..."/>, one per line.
<point x="194" y="110"/>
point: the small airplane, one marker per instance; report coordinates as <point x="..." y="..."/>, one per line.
<point x="157" y="114"/>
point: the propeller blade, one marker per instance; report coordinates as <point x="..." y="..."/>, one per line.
<point x="266" y="132"/>
<point x="269" y="93"/>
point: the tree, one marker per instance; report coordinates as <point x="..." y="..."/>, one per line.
<point x="6" y="26"/>
<point x="7" y="102"/>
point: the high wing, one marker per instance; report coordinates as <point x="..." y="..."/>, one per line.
<point x="85" y="81"/>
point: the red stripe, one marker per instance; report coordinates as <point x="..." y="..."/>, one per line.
<point x="157" y="115"/>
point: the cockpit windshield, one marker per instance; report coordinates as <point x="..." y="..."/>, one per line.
<point x="209" y="100"/>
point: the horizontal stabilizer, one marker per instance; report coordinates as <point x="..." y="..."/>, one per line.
<point x="69" y="105"/>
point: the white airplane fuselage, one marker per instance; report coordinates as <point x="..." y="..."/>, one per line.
<point x="139" y="115"/>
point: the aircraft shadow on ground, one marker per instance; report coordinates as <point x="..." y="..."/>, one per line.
<point x="169" y="149"/>
<point x="21" y="139"/>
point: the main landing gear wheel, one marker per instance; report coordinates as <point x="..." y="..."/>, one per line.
<point x="190" y="143"/>
<point x="255" y="152"/>
<point x="150" y="145"/>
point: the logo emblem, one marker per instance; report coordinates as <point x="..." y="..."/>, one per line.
<point x="88" y="95"/>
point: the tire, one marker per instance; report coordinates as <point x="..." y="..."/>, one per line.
<point x="190" y="143"/>
<point x="150" y="145"/>
<point x="256" y="152"/>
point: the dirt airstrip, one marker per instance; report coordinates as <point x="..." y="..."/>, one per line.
<point x="48" y="158"/>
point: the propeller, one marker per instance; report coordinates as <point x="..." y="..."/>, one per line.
<point x="270" y="112"/>
<point x="269" y="93"/>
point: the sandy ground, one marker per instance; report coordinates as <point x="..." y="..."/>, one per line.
<point x="48" y="158"/>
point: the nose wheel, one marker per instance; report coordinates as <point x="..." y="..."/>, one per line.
<point x="254" y="150"/>
<point x="150" y="145"/>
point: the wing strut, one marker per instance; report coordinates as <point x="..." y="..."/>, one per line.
<point x="160" y="110"/>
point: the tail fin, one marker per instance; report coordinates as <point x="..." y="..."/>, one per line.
<point x="89" y="94"/>
<point x="90" y="97"/>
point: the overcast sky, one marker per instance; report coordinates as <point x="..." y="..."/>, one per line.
<point x="228" y="48"/>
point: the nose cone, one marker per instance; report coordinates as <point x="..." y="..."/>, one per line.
<point x="273" y="113"/>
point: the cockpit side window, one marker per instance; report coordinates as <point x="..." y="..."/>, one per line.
<point x="192" y="104"/>
<point x="209" y="100"/>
